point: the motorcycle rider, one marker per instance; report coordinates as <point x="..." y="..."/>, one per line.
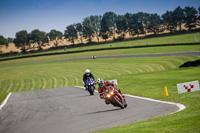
<point x="103" y="85"/>
<point x="87" y="75"/>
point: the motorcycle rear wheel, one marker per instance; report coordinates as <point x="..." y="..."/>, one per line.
<point x="125" y="104"/>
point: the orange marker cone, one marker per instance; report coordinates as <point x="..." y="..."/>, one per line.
<point x="165" y="91"/>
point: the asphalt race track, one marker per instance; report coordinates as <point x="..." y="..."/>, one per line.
<point x="72" y="110"/>
<point x="197" y="53"/>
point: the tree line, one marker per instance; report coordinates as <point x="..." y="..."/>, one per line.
<point x="110" y="24"/>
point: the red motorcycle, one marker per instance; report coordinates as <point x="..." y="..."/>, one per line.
<point x="111" y="95"/>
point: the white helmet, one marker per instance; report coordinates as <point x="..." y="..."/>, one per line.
<point x="100" y="82"/>
<point x="87" y="72"/>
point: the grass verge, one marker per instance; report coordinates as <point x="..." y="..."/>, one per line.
<point x="3" y="96"/>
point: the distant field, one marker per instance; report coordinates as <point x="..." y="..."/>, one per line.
<point x="186" y="38"/>
<point x="177" y="39"/>
<point x="148" y="50"/>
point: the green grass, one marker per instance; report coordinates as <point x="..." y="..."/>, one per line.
<point x="24" y="77"/>
<point x="3" y="96"/>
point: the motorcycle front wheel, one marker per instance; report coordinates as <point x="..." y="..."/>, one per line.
<point x="90" y="90"/>
<point x="119" y="103"/>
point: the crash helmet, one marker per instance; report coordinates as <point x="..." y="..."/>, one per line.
<point x="87" y="72"/>
<point x="100" y="82"/>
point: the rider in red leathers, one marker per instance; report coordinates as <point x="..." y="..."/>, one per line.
<point x="103" y="85"/>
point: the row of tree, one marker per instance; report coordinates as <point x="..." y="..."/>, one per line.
<point x="135" y="24"/>
<point x="110" y="24"/>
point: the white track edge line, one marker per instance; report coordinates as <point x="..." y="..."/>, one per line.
<point x="5" y="101"/>
<point x="180" y="106"/>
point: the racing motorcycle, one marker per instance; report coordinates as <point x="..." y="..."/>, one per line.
<point x="111" y="95"/>
<point x="90" y="85"/>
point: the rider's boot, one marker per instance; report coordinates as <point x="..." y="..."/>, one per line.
<point x="120" y="92"/>
<point x="85" y="87"/>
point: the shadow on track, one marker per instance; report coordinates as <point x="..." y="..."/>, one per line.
<point x="103" y="111"/>
<point x="88" y="95"/>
